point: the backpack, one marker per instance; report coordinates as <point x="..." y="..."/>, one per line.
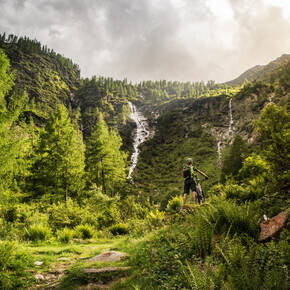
<point x="187" y="172"/>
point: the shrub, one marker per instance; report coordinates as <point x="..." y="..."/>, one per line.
<point x="196" y="277"/>
<point x="226" y="216"/>
<point x="174" y="204"/>
<point x="65" y="235"/>
<point x="65" y="214"/>
<point x="13" y="267"/>
<point x="154" y="219"/>
<point x="6" y="251"/>
<point x="38" y="232"/>
<point x="84" y="231"/>
<point x="119" y="229"/>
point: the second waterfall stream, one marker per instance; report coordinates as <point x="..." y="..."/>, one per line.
<point x="141" y="134"/>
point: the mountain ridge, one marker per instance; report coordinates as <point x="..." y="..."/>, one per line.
<point x="261" y="72"/>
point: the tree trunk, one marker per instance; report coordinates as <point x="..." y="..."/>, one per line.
<point x="103" y="176"/>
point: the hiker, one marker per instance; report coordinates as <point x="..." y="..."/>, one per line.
<point x="189" y="182"/>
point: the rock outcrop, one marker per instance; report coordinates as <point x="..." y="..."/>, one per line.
<point x="272" y="227"/>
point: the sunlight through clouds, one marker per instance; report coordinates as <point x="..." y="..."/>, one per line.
<point x="183" y="40"/>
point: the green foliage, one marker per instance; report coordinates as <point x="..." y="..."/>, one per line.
<point x="233" y="162"/>
<point x="65" y="235"/>
<point x="84" y="231"/>
<point x="59" y="159"/>
<point x="13" y="267"/>
<point x="174" y="204"/>
<point x="105" y="162"/>
<point x="252" y="166"/>
<point x="154" y="219"/>
<point x="63" y="214"/>
<point x="7" y="249"/>
<point x="274" y="134"/>
<point x="38" y="232"/>
<point x="226" y="217"/>
<point x="197" y="278"/>
<point x="119" y="229"/>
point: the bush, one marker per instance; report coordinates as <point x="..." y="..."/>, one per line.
<point x="84" y="231"/>
<point x="174" y="204"/>
<point x="13" y="267"/>
<point x="65" y="235"/>
<point x="154" y="219"/>
<point x="6" y="251"/>
<point x="119" y="229"/>
<point x="65" y="214"/>
<point x="38" y="232"/>
<point x="227" y="217"/>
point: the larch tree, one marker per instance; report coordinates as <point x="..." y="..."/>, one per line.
<point x="105" y="162"/>
<point x="59" y="164"/>
<point x="10" y="134"/>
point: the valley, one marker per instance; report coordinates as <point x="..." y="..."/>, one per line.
<point x="94" y="165"/>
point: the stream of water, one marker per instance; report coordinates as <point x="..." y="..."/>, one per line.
<point x="226" y="135"/>
<point x="141" y="134"/>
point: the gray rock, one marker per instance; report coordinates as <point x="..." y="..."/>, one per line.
<point x="38" y="263"/>
<point x="39" y="277"/>
<point x="105" y="270"/>
<point x="111" y="256"/>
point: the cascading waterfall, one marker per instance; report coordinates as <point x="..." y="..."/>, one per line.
<point x="141" y="135"/>
<point x="227" y="135"/>
<point x="230" y="130"/>
<point x="219" y="161"/>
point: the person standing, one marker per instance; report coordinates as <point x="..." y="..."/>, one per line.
<point x="189" y="183"/>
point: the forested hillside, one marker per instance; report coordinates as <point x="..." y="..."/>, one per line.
<point x="66" y="144"/>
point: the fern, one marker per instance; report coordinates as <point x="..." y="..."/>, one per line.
<point x="6" y="252"/>
<point x="197" y="279"/>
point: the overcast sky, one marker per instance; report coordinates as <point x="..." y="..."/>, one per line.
<point x="184" y="40"/>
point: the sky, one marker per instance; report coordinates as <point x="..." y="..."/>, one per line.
<point x="182" y="40"/>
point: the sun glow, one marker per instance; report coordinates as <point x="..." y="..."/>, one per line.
<point x="284" y="4"/>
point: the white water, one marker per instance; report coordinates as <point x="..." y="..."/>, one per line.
<point x="227" y="135"/>
<point x="219" y="150"/>
<point x="141" y="135"/>
<point x="230" y="130"/>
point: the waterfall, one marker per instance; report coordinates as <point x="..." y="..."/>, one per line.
<point x="219" y="161"/>
<point x="227" y="135"/>
<point x="141" y="134"/>
<point x="231" y="117"/>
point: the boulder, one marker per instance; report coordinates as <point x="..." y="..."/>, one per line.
<point x="111" y="256"/>
<point x="272" y="227"/>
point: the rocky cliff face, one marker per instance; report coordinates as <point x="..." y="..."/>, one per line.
<point x="221" y="116"/>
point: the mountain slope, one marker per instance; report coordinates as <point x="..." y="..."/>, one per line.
<point x="261" y="72"/>
<point x="47" y="78"/>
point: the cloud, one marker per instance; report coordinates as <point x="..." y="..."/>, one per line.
<point x="184" y="40"/>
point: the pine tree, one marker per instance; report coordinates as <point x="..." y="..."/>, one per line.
<point x="10" y="135"/>
<point x="59" y="158"/>
<point x="105" y="162"/>
<point x="273" y="130"/>
<point x="233" y="162"/>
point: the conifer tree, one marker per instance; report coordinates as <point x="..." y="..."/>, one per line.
<point x="105" y="162"/>
<point x="233" y="162"/>
<point x="59" y="158"/>
<point x="10" y="135"/>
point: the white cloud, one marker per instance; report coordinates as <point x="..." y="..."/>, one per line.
<point x="154" y="39"/>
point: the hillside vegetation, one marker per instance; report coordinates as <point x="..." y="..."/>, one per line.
<point x="262" y="72"/>
<point x="65" y="155"/>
